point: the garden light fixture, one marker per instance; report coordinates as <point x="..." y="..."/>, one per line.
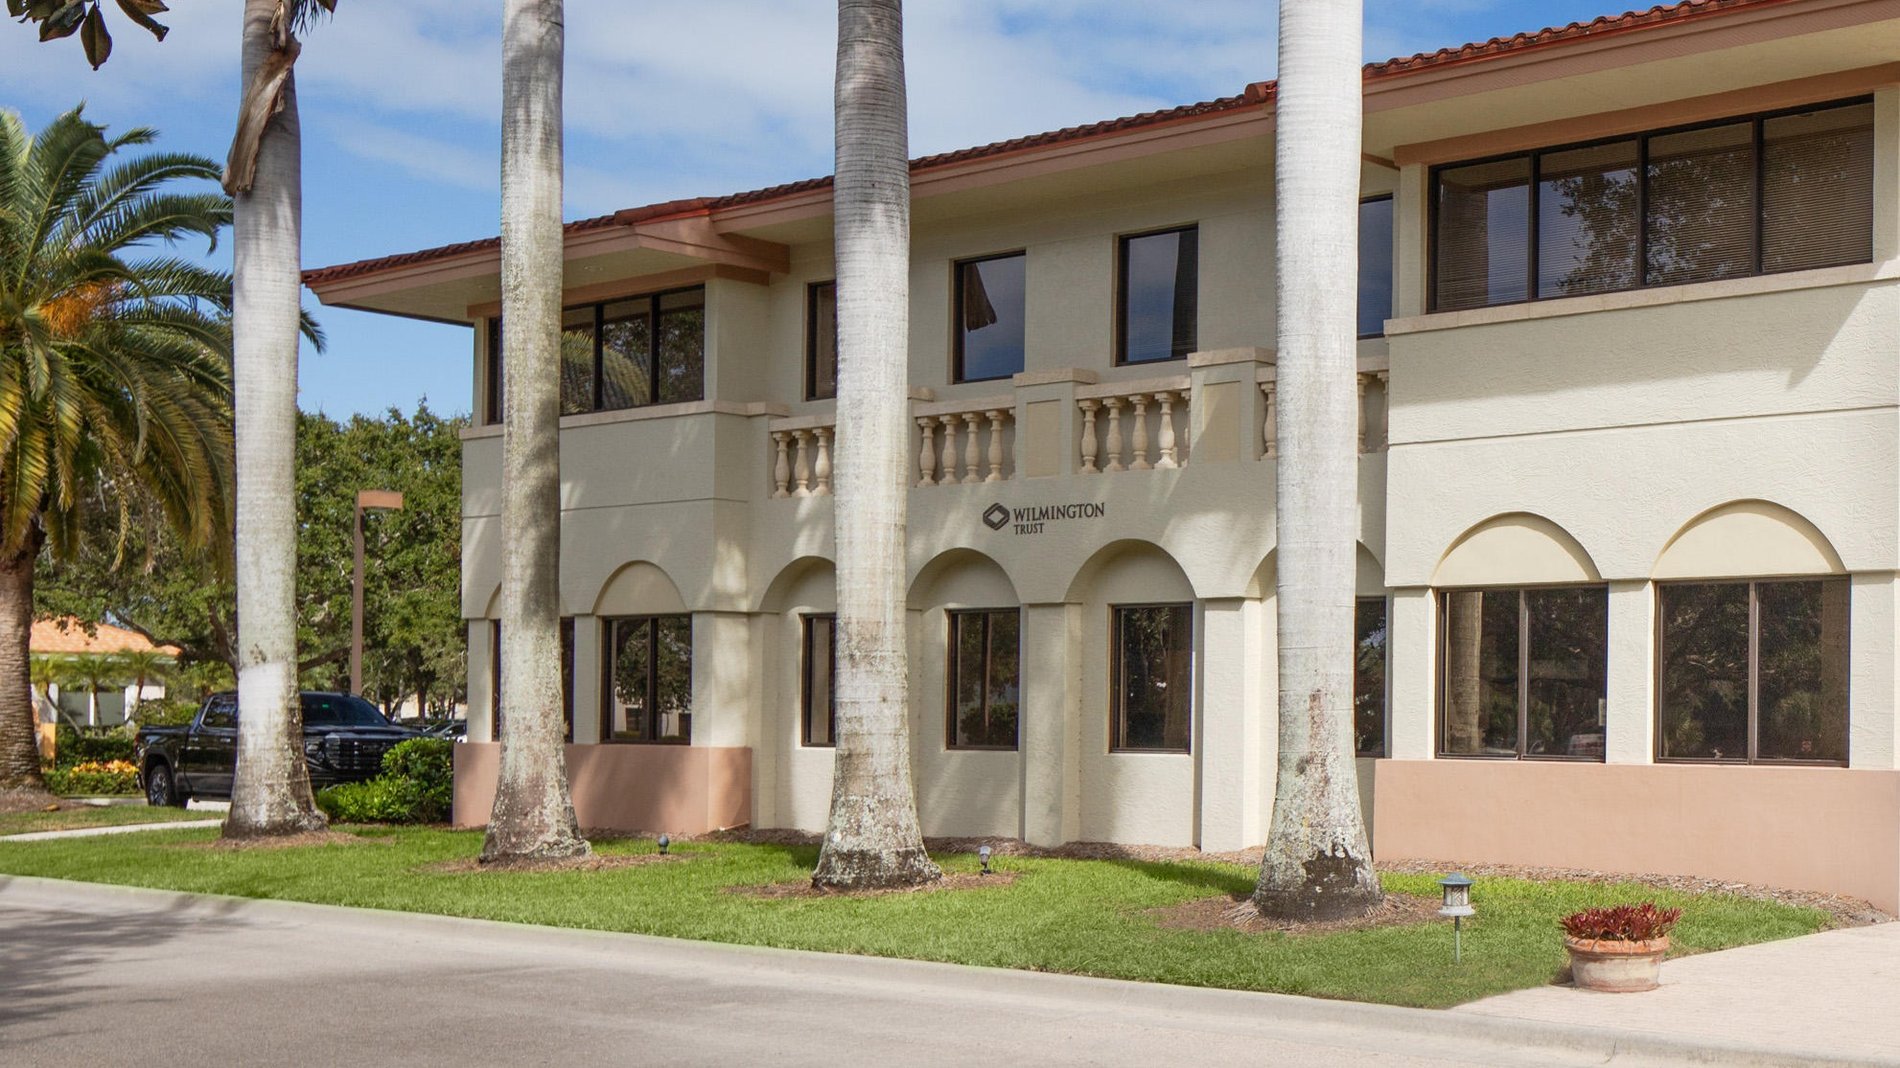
<point x="663" y="843"/>
<point x="983" y="854"/>
<point x="1457" y="905"/>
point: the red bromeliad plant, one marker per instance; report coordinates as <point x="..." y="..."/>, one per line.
<point x="1621" y="923"/>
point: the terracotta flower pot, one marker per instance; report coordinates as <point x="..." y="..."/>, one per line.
<point x="1616" y="967"/>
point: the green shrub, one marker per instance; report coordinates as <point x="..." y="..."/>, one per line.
<point x="94" y="778"/>
<point x="416" y="786"/>
<point x="96" y="745"/>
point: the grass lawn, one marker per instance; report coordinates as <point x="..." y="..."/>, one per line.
<point x="68" y="819"/>
<point x="1081" y="916"/>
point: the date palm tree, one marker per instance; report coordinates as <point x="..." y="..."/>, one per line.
<point x="873" y="838"/>
<point x="143" y="666"/>
<point x="533" y="815"/>
<point x="1317" y="864"/>
<point x="114" y="370"/>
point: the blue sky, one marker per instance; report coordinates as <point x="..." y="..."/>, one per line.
<point x="400" y="99"/>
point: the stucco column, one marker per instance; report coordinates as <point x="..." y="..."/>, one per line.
<point x="1413" y="645"/>
<point x="585" y="686"/>
<point x="1409" y="213"/>
<point x="1051" y="731"/>
<point x="1227" y="747"/>
<point x="1629" y="732"/>
<point x="1886" y="175"/>
<point x="481" y="680"/>
<point x="722" y="661"/>
<point x="1872" y="644"/>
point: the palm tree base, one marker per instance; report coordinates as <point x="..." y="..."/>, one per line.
<point x="845" y="868"/>
<point x="238" y="828"/>
<point x="528" y="849"/>
<point x="1336" y="887"/>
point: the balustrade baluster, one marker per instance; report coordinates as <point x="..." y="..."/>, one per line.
<point x="971" y="454"/>
<point x="950" y="454"/>
<point x="822" y="469"/>
<point x="1088" y="438"/>
<point x="781" y="465"/>
<point x="801" y="467"/>
<point x="1112" y="443"/>
<point x="1363" y="378"/>
<point x="996" y="446"/>
<point x="1269" y="424"/>
<point x="1166" y="436"/>
<point x="1140" y="401"/>
<point x="1385" y="409"/>
<point x="927" y="456"/>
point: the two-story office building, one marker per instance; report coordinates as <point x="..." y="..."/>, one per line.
<point x="1629" y="491"/>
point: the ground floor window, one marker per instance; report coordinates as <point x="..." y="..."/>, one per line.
<point x="1370" y="636"/>
<point x="1523" y="672"/>
<point x="819" y="684"/>
<point x="1752" y="671"/>
<point x="567" y="676"/>
<point x="985" y="678"/>
<point x="1153" y="656"/>
<point x="648" y="696"/>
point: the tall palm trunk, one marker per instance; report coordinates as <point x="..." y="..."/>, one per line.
<point x="19" y="712"/>
<point x="1317" y="864"/>
<point x="270" y="793"/>
<point x="533" y="815"/>
<point x="873" y="838"/>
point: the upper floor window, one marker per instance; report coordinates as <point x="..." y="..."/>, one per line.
<point x="1159" y="276"/>
<point x="1375" y="265"/>
<point x="1525" y="672"/>
<point x="1782" y="191"/>
<point x="821" y="340"/>
<point x="622" y="354"/>
<point x="989" y="318"/>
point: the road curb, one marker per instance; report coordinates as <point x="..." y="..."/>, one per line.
<point x="1205" y="1005"/>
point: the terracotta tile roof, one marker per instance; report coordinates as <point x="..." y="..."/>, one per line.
<point x="68" y="637"/>
<point x="1253" y="95"/>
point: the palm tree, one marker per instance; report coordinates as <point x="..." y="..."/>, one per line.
<point x="114" y="380"/>
<point x="533" y="816"/>
<point x="143" y="666"/>
<point x="873" y="838"/>
<point x="1317" y="864"/>
<point x="98" y="673"/>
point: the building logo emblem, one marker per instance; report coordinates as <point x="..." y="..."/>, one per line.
<point x="996" y="517"/>
<point x="1031" y="520"/>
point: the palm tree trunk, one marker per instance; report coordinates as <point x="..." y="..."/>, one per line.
<point x="19" y="715"/>
<point x="533" y="817"/>
<point x="270" y="793"/>
<point x="873" y="838"/>
<point x="1317" y="864"/>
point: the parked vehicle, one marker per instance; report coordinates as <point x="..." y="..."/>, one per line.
<point x="345" y="738"/>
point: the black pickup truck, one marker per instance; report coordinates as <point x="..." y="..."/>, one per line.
<point x="344" y="739"/>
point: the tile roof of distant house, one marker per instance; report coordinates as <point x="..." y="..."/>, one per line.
<point x="68" y="637"/>
<point x="1254" y="94"/>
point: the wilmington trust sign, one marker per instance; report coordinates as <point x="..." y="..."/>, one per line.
<point x="1030" y="520"/>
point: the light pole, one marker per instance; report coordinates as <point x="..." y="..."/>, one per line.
<point x="382" y="500"/>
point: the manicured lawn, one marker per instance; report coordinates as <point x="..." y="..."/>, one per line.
<point x="68" y="819"/>
<point x="1081" y="916"/>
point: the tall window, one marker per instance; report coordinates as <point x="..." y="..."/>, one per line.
<point x="648" y="695"/>
<point x="989" y="318"/>
<point x="1752" y="671"/>
<point x="622" y="354"/>
<point x="819" y="683"/>
<point x="985" y="679"/>
<point x="1782" y="191"/>
<point x="1523" y="672"/>
<point x="1159" y="296"/>
<point x="567" y="676"/>
<point x="1153" y="648"/>
<point x="821" y="340"/>
<point x="1375" y="265"/>
<point x="1368" y="676"/>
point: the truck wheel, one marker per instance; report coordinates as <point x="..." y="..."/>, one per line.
<point x="160" y="788"/>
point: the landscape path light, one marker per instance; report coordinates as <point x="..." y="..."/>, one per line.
<point x="1457" y="905"/>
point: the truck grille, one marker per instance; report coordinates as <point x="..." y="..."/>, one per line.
<point x="356" y="755"/>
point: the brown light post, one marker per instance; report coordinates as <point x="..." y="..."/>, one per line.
<point x="380" y="500"/>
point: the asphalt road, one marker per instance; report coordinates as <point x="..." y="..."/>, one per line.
<point x="100" y="976"/>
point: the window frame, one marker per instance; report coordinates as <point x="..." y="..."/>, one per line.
<point x="805" y="620"/>
<point x="599" y="308"/>
<point x="1121" y="293"/>
<point x="1392" y="266"/>
<point x="811" y="339"/>
<point x="1642" y="138"/>
<point x="1385" y="691"/>
<point x="1440" y="684"/>
<point x="957" y="376"/>
<point x="951" y="665"/>
<point x="1752" y="759"/>
<point x="608" y="625"/>
<point x="1115" y="667"/>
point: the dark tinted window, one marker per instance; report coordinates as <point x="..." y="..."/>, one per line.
<point x="1818" y="188"/>
<point x="1586" y="220"/>
<point x="622" y="354"/>
<point x="1700" y="196"/>
<point x="1525" y="672"/>
<point x="1153" y="677"/>
<point x="989" y="318"/>
<point x="220" y="713"/>
<point x="649" y="669"/>
<point x="820" y="689"/>
<point x="1375" y="265"/>
<point x="1483" y="234"/>
<point x="1160" y="280"/>
<point x="1368" y="679"/>
<point x="340" y="710"/>
<point x="985" y="679"/>
<point x="821" y="341"/>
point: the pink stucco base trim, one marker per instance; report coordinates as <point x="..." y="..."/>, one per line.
<point x="1834" y="830"/>
<point x="677" y="789"/>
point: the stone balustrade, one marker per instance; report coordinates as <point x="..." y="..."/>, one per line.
<point x="1374" y="380"/>
<point x="801" y="457"/>
<point x="964" y="442"/>
<point x="1131" y="426"/>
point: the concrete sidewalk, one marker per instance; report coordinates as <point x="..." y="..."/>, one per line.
<point x="1837" y="991"/>
<point x="431" y="990"/>
<point x="116" y="828"/>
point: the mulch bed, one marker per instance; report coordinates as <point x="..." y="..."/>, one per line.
<point x="595" y="862"/>
<point x="32" y="801"/>
<point x="1237" y="913"/>
<point x="952" y="881"/>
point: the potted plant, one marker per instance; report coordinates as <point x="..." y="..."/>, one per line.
<point x="1618" y="949"/>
